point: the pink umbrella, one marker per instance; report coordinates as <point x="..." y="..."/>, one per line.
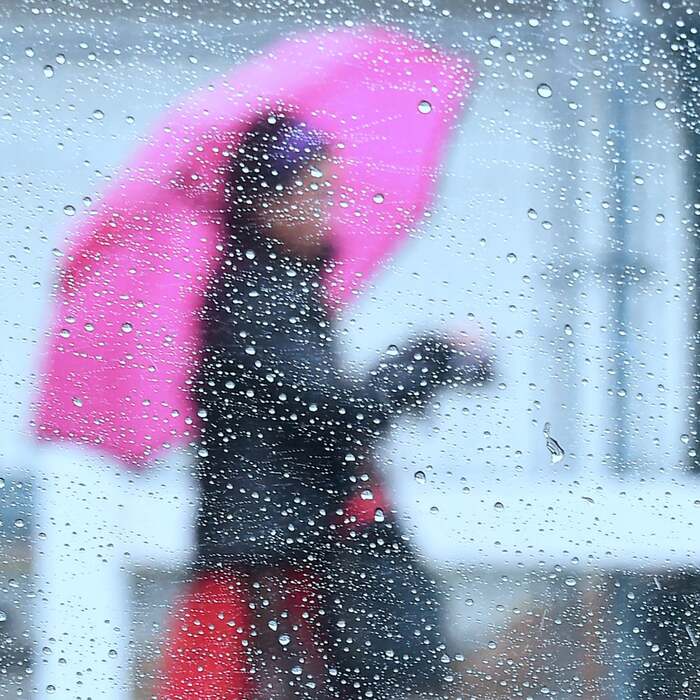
<point x="126" y="336"/>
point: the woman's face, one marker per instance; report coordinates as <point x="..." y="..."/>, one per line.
<point x="300" y="215"/>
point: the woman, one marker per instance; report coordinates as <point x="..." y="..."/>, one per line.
<point x="283" y="430"/>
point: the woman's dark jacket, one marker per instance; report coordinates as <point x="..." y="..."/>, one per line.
<point x="284" y="428"/>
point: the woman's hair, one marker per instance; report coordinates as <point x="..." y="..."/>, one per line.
<point x="268" y="158"/>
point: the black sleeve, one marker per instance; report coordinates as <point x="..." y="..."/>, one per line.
<point x="287" y="372"/>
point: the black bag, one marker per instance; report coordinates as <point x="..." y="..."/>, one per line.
<point x="384" y="616"/>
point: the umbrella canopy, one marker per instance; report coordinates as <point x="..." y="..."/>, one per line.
<point x="126" y="335"/>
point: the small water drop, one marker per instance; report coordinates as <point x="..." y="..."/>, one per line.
<point x="544" y="90"/>
<point x="498" y="505"/>
<point x="392" y="350"/>
<point x="112" y="653"/>
<point x="378" y="198"/>
<point x="48" y="71"/>
<point x="69" y="210"/>
<point x="660" y="104"/>
<point x="571" y="581"/>
<point x="98" y="114"/>
<point x="284" y="639"/>
<point x="424" y="107"/>
<point x="556" y="452"/>
<point x="379" y="516"/>
<point x="660" y="218"/>
<point x="511" y="257"/>
<point x="495" y="42"/>
<point x="60" y="58"/>
<point x="127" y="327"/>
<point x="19" y="523"/>
<point x="419" y="476"/>
<point x="568" y="330"/>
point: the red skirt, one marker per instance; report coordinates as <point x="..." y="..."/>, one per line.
<point x="224" y="642"/>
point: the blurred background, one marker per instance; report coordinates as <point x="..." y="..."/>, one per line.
<point x="565" y="229"/>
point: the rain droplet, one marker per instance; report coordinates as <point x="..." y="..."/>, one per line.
<point x="130" y="120"/>
<point x="272" y="624"/>
<point x="127" y="327"/>
<point x="366" y="495"/>
<point x="48" y="71"/>
<point x="498" y="505"/>
<point x="284" y="639"/>
<point x="556" y="452"/>
<point x="50" y="688"/>
<point x="660" y="218"/>
<point x="568" y="330"/>
<point x="98" y="114"/>
<point x="544" y="90"/>
<point x="296" y="671"/>
<point x="392" y="350"/>
<point x="511" y="257"/>
<point x="424" y="107"/>
<point x="60" y="59"/>
<point x="495" y="42"/>
<point x="571" y="581"/>
<point x="69" y="210"/>
<point x="112" y="653"/>
<point x="532" y="214"/>
<point x="379" y="516"/>
<point x="378" y="198"/>
<point x="19" y="523"/>
<point x="29" y="52"/>
<point x="685" y="438"/>
<point x="419" y="476"/>
<point x="660" y="103"/>
<point x="3" y="616"/>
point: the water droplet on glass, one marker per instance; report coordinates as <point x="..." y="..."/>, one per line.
<point x="272" y="624"/>
<point x="130" y="120"/>
<point x="60" y="58"/>
<point x="392" y="350"/>
<point x="419" y="476"/>
<point x="568" y="330"/>
<point x="424" y="107"/>
<point x="127" y="327"/>
<point x="556" y="452"/>
<point x="48" y="71"/>
<point x="98" y="114"/>
<point x="296" y="671"/>
<point x="50" y="688"/>
<point x="511" y="257"/>
<point x="284" y="639"/>
<point x="660" y="104"/>
<point x="366" y="495"/>
<point x="378" y="198"/>
<point x="570" y="581"/>
<point x="3" y="616"/>
<point x="685" y="438"/>
<point x="532" y="214"/>
<point x="498" y="505"/>
<point x="19" y="523"/>
<point x="660" y="218"/>
<point x="495" y="42"/>
<point x="69" y="210"/>
<point x="112" y="653"/>
<point x="29" y="52"/>
<point x="544" y="90"/>
<point x="379" y="516"/>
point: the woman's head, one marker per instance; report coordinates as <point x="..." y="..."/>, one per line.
<point x="280" y="179"/>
